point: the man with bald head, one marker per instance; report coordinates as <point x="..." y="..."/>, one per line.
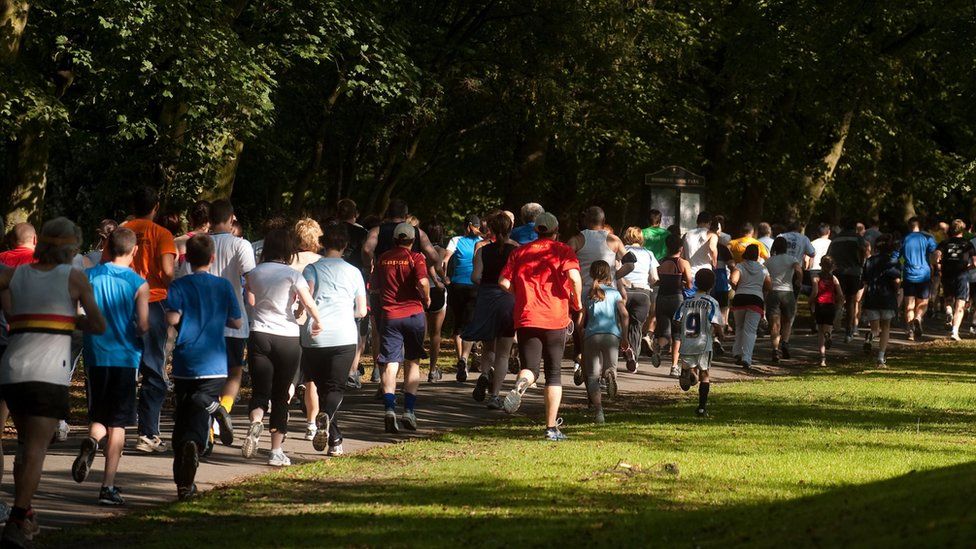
<point x="24" y="239"/>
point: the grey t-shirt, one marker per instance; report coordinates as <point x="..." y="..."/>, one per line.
<point x="780" y="269"/>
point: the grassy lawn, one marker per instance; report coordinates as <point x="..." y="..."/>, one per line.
<point x="851" y="457"/>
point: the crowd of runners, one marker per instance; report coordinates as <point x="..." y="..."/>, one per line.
<point x="167" y="311"/>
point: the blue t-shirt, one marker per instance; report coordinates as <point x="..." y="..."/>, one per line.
<point x="601" y="316"/>
<point x="916" y="249"/>
<point x="463" y="258"/>
<point x="206" y="302"/>
<point x="115" y="290"/>
<point x="523" y="234"/>
<point x="335" y="286"/>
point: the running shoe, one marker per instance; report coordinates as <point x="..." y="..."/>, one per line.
<point x="972" y="329"/>
<point x="320" y="441"/>
<point x="610" y="375"/>
<point x="481" y="387"/>
<point x="375" y="376"/>
<point x="823" y="361"/>
<point x="83" y="463"/>
<point x="868" y="338"/>
<point x="784" y="349"/>
<point x="184" y="493"/>
<point x="354" y="382"/>
<point x="495" y="403"/>
<point x="462" y="371"/>
<point x="647" y="346"/>
<point x="190" y="462"/>
<point x="390" y="419"/>
<point x="656" y="359"/>
<point x="434" y="375"/>
<point x="675" y="371"/>
<point x="918" y="329"/>
<point x="279" y="459"/>
<point x="514" y="398"/>
<point x="4" y="511"/>
<point x="701" y="412"/>
<point x="15" y="535"/>
<point x="222" y="420"/>
<point x="61" y="434"/>
<point x="684" y="380"/>
<point x="881" y="363"/>
<point x="599" y="417"/>
<point x="335" y="450"/>
<point x="718" y="348"/>
<point x="553" y="434"/>
<point x="251" y="442"/>
<point x="409" y="420"/>
<point x="955" y="336"/>
<point x="150" y="444"/>
<point x="774" y="358"/>
<point x="746" y="365"/>
<point x="110" y="495"/>
<point x="848" y="336"/>
<point x="738" y="361"/>
<point x="310" y="431"/>
<point x="631" y="359"/>
<point x="578" y="377"/>
<point x="910" y="334"/>
<point x="299" y="396"/>
<point x="948" y="322"/>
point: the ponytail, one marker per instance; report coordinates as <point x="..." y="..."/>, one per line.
<point x="600" y="273"/>
<point x="596" y="291"/>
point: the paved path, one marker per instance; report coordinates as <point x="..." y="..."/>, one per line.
<point x="147" y="479"/>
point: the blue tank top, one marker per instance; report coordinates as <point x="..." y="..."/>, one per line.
<point x="601" y="316"/>
<point x="462" y="260"/>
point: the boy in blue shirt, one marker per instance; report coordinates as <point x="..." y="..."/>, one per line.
<point x="200" y="306"/>
<point x="112" y="360"/>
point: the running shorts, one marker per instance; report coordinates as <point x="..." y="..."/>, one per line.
<point x="850" y="284"/>
<point x="36" y="398"/>
<point x="111" y="395"/>
<point x="918" y="290"/>
<point x="702" y="361"/>
<point x="402" y="339"/>
<point x="236" y="346"/>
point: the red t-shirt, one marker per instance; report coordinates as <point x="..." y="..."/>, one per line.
<point x="21" y="255"/>
<point x="537" y="271"/>
<point x="395" y="277"/>
<point x="154" y="242"/>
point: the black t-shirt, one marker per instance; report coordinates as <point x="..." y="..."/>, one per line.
<point x="354" y="251"/>
<point x="880" y="275"/>
<point x="957" y="253"/>
<point x="847" y="250"/>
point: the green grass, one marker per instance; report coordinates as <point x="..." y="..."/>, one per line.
<point x="849" y="457"/>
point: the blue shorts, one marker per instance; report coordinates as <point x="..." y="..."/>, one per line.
<point x="918" y="290"/>
<point x="402" y="339"/>
<point x="957" y="287"/>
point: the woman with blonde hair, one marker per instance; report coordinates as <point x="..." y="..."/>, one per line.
<point x="638" y="284"/>
<point x="307" y="234"/>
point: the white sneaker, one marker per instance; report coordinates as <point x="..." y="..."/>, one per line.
<point x="310" y="431"/>
<point x="150" y="444"/>
<point x="675" y="371"/>
<point x="279" y="459"/>
<point x="335" y="451"/>
<point x="250" y="446"/>
<point x="955" y="337"/>
<point x="62" y="433"/>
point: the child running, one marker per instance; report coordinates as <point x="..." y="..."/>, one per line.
<point x="700" y="322"/>
<point x="200" y="306"/>
<point x="605" y="320"/>
<point x="826" y="298"/>
<point x="112" y="360"/>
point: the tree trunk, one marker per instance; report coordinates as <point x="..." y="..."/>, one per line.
<point x="314" y="166"/>
<point x="13" y="19"/>
<point x="227" y="172"/>
<point x="28" y="176"/>
<point x="816" y="181"/>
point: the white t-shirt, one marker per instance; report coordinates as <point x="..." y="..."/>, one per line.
<point x="645" y="265"/>
<point x="696" y="252"/>
<point x="820" y="246"/>
<point x="335" y="286"/>
<point x="780" y="269"/>
<point x="752" y="275"/>
<point x="275" y="287"/>
<point x="233" y="258"/>
<point x="798" y="245"/>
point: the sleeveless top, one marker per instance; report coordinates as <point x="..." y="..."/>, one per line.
<point x="638" y="278"/>
<point x="41" y="322"/>
<point x="695" y="250"/>
<point x="494" y="256"/>
<point x="384" y="239"/>
<point x="670" y="283"/>
<point x="825" y="290"/>
<point x="462" y="260"/>
<point x="594" y="249"/>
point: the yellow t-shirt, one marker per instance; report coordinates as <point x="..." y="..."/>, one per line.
<point x="739" y="245"/>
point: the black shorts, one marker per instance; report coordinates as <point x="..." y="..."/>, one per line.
<point x="111" y="395"/>
<point x="402" y="339"/>
<point x="438" y="299"/>
<point x="850" y="284"/>
<point x="36" y="398"/>
<point x="235" y="351"/>
<point x="825" y="314"/>
<point x="918" y="290"/>
<point x="722" y="297"/>
<point x="460" y="302"/>
<point x="956" y="286"/>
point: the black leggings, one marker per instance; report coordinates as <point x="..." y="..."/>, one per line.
<point x="273" y="361"/>
<point x="328" y="368"/>
<point x="546" y="346"/>
<point x="191" y="421"/>
<point x="638" y="305"/>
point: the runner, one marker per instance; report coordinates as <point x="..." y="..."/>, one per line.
<point x="605" y="322"/>
<point x="751" y="283"/>
<point x="722" y="289"/>
<point x="655" y="240"/>
<point x="327" y="357"/>
<point x="400" y="279"/>
<point x="700" y="324"/>
<point x="954" y="255"/>
<point x="738" y="246"/>
<point x="493" y="322"/>
<point x="437" y="311"/>
<point x="42" y="300"/>
<point x="674" y="278"/>
<point x="820" y="246"/>
<point x="525" y="233"/>
<point x="544" y="276"/>
<point x="764" y="234"/>
<point x="24" y="240"/>
<point x="105" y="228"/>
<point x="461" y="291"/>
<point x="701" y="245"/>
<point x="785" y="275"/>
<point x="798" y="244"/>
<point x="825" y="300"/>
<point x="348" y="213"/>
<point x="849" y="250"/>
<point x="307" y="233"/>
<point x="198" y="217"/>
<point x="638" y="283"/>
<point x="916" y="250"/>
<point x="273" y="289"/>
<point x="882" y="275"/>
<point x="200" y="305"/>
<point x="112" y="361"/>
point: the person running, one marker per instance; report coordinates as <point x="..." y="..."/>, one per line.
<point x="655" y="240"/>
<point x="525" y="233"/>
<point x="461" y="291"/>
<point x="826" y="298"/>
<point x="307" y="232"/>
<point x="917" y="249"/>
<point x="339" y="293"/>
<point x="785" y="274"/>
<point x="42" y="301"/>
<point x="700" y="245"/>
<point x="200" y="305"/>
<point x="545" y="279"/>
<point x="638" y="283"/>
<point x="605" y="323"/>
<point x="722" y="289"/>
<point x="954" y="255"/>
<point x="493" y="323"/>
<point x="437" y="311"/>
<point x="25" y="241"/>
<point x="674" y="278"/>
<point x="105" y="228"/>
<point x="849" y="250"/>
<point x="154" y="261"/>
<point x="198" y="217"/>
<point x="739" y="245"/>
<point x="233" y="259"/>
<point x="798" y="244"/>
<point x="751" y="283"/>
<point x="764" y="234"/>
<point x="273" y="288"/>
<point x="348" y="213"/>
<point x="701" y="322"/>
<point x="112" y="361"/>
<point x="820" y="246"/>
<point x="400" y="278"/>
<point x="882" y="276"/>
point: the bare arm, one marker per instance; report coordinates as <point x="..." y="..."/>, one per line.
<point x="369" y="246"/>
<point x="623" y="320"/>
<point x="142" y="309"/>
<point x="306" y="300"/>
<point x="767" y="285"/>
<point x="173" y="317"/>
<point x="478" y="268"/>
<point x="574" y="277"/>
<point x="360" y="306"/>
<point x="686" y="273"/>
<point x="168" y="264"/>
<point x="423" y="286"/>
<point x="713" y="250"/>
<point x="433" y="258"/>
<point x="506" y="284"/>
<point x="92" y="321"/>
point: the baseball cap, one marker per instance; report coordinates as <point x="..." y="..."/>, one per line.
<point x="546" y="222"/>
<point x="404" y="231"/>
<point x="473" y="220"/>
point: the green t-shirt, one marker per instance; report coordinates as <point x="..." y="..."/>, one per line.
<point x="655" y="240"/>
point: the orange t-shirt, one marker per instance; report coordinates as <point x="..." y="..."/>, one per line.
<point x="154" y="242"/>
